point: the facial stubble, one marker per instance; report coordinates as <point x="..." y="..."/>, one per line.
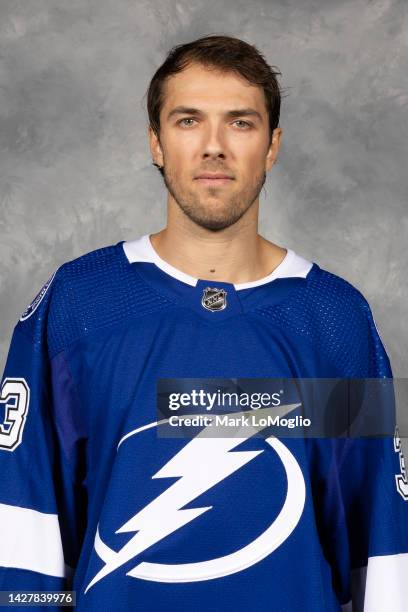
<point x="199" y="205"/>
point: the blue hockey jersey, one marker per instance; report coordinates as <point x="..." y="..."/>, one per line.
<point x="93" y="499"/>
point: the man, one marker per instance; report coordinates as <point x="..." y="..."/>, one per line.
<point x="93" y="496"/>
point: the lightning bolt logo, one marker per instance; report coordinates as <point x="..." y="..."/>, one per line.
<point x="200" y="465"/>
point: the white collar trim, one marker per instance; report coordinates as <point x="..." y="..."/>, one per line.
<point x="142" y="249"/>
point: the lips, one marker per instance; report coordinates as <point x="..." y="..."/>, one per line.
<point x="214" y="176"/>
<point x="214" y="179"/>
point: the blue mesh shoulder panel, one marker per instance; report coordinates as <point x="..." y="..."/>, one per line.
<point x="95" y="291"/>
<point x="337" y="320"/>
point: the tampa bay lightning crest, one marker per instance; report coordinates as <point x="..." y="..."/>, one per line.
<point x="214" y="298"/>
<point x="175" y="506"/>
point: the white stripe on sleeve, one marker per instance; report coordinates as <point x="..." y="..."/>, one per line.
<point x="386" y="584"/>
<point x="31" y="540"/>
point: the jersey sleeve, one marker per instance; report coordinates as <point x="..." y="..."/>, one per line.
<point x="375" y="501"/>
<point x="42" y="497"/>
<point x="372" y="503"/>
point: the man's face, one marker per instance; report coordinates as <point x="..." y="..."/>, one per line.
<point x="213" y="124"/>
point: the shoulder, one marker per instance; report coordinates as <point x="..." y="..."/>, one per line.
<point x="336" y="318"/>
<point x="321" y="298"/>
<point x="80" y="277"/>
<point x="332" y="294"/>
<point x="64" y="283"/>
<point x="88" y="293"/>
<point x="85" y="266"/>
<point x="345" y="324"/>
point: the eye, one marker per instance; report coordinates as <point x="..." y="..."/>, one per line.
<point x="243" y="124"/>
<point x="185" y="120"/>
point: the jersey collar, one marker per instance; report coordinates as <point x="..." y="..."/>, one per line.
<point x="142" y="250"/>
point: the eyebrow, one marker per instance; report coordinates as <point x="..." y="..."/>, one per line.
<point x="238" y="112"/>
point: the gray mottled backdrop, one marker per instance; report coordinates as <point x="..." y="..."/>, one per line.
<point x="75" y="169"/>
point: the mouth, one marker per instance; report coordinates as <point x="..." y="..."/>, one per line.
<point x="214" y="180"/>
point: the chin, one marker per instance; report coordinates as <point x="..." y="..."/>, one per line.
<point x="215" y="226"/>
<point x="215" y="223"/>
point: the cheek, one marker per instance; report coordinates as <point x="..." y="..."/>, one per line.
<point x="181" y="152"/>
<point x="249" y="152"/>
<point x="252" y="163"/>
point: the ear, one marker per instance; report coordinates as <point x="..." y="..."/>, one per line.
<point x="273" y="148"/>
<point x="155" y="148"/>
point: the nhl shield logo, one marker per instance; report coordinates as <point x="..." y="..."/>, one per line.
<point x="214" y="298"/>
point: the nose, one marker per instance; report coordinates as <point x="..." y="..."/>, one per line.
<point x="214" y="145"/>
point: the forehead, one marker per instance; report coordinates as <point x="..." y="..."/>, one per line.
<point x="200" y="87"/>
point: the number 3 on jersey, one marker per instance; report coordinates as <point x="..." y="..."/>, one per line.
<point x="15" y="399"/>
<point x="401" y="479"/>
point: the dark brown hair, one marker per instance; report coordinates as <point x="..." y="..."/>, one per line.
<point x="225" y="53"/>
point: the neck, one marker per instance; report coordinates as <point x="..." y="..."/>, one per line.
<point x="237" y="254"/>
